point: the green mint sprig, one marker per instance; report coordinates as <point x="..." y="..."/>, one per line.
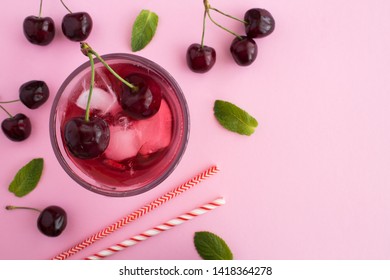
<point x="234" y="118"/>
<point x="27" y="178"/>
<point x="144" y="28"/>
<point x="211" y="247"/>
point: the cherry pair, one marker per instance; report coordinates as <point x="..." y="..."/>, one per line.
<point x="41" y="30"/>
<point x="32" y="94"/>
<point x="258" y="23"/>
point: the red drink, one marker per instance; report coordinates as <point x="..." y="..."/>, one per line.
<point x="141" y="153"/>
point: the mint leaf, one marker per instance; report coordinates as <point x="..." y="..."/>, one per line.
<point x="211" y="246"/>
<point x="234" y="118"/>
<point x="144" y="28"/>
<point x="27" y="178"/>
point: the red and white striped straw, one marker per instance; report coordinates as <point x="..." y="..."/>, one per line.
<point x="137" y="214"/>
<point x="157" y="229"/>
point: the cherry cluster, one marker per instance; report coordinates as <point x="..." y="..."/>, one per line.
<point x="41" y="30"/>
<point x="258" y="23"/>
<point x="32" y="94"/>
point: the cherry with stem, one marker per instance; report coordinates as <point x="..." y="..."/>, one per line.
<point x="201" y="58"/>
<point x="32" y="94"/>
<point x="39" y="30"/>
<point x="51" y="221"/>
<point x="87" y="137"/>
<point x="141" y="95"/>
<point x="259" y="23"/>
<point x="76" y="26"/>
<point x="17" y="128"/>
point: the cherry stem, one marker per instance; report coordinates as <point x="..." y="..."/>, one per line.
<point x="86" y="49"/>
<point x="6" y="111"/>
<point x="206" y="4"/>
<point x="11" y="207"/>
<point x="63" y="4"/>
<point x="87" y="109"/>
<point x="12" y="101"/>
<point x="208" y="7"/>
<point x="227" y="15"/>
<point x="40" y="9"/>
<point x="204" y="28"/>
<point x="220" y="26"/>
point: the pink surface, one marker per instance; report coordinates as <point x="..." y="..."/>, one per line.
<point x="311" y="183"/>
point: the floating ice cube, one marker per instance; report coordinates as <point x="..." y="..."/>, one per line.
<point x="124" y="142"/>
<point x="101" y="100"/>
<point x="156" y="131"/>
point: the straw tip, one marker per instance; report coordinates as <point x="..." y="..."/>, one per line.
<point x="220" y="201"/>
<point x="216" y="167"/>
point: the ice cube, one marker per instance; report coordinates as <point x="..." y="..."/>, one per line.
<point x="101" y="100"/>
<point x="156" y="132"/>
<point x="124" y="142"/>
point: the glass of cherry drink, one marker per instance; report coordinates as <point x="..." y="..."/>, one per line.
<point x="133" y="139"/>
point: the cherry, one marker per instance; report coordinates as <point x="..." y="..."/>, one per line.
<point x="243" y="50"/>
<point x="33" y="94"/>
<point x="39" y="30"/>
<point x="17" y="128"/>
<point x="200" y="59"/>
<point x="143" y="99"/>
<point x="141" y="95"/>
<point x="77" y="26"/>
<point x="51" y="221"/>
<point x="258" y="23"/>
<point x="86" y="139"/>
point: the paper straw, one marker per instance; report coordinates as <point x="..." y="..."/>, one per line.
<point x="157" y="229"/>
<point x="138" y="213"/>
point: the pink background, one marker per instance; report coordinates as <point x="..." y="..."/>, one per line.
<point x="311" y="183"/>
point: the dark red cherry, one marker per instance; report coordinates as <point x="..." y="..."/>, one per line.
<point x="33" y="94"/>
<point x="86" y="139"/>
<point x="143" y="101"/>
<point x="243" y="50"/>
<point x="77" y="26"/>
<point x="52" y="221"/>
<point x="17" y="128"/>
<point x="200" y="59"/>
<point x="39" y="30"/>
<point x="259" y="23"/>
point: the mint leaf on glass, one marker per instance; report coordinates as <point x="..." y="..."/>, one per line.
<point x="234" y="118"/>
<point x="27" y="178"/>
<point x="211" y="247"/>
<point x="144" y="28"/>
